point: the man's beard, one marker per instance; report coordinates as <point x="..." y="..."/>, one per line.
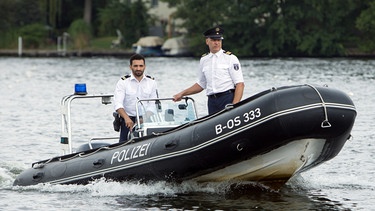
<point x="138" y="73"/>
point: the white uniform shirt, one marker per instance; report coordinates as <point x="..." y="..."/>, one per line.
<point x="129" y="90"/>
<point x="219" y="72"/>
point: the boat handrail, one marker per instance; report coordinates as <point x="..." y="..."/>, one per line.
<point x="66" y="126"/>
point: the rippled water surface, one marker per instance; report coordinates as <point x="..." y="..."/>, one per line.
<point x="31" y="90"/>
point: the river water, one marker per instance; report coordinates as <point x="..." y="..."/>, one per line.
<point x="31" y="90"/>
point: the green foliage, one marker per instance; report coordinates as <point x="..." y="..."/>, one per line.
<point x="112" y="17"/>
<point x="322" y="32"/>
<point x="139" y="21"/>
<point x="18" y="13"/>
<point x="101" y="43"/>
<point x="131" y="19"/>
<point x="33" y="35"/>
<point x="15" y="14"/>
<point x="252" y="28"/>
<point x="366" y="24"/>
<point x="9" y="39"/>
<point x="274" y="27"/>
<point x="80" y="33"/>
<point x="7" y="15"/>
<point x="199" y="15"/>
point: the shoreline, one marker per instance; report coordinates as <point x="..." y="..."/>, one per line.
<point x="351" y="53"/>
<point x="55" y="53"/>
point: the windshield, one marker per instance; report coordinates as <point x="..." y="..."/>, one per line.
<point x="165" y="112"/>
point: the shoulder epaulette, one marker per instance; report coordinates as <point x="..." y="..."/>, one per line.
<point x="228" y="52"/>
<point x="150" y="77"/>
<point x="205" y="54"/>
<point x="125" y="77"/>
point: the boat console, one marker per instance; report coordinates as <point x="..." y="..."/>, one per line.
<point x="158" y="115"/>
<point x="154" y="116"/>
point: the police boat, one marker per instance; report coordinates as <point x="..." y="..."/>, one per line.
<point x="267" y="138"/>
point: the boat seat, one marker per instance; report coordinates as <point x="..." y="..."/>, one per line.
<point x="150" y="131"/>
<point x="95" y="145"/>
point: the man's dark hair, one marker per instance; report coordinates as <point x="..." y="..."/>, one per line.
<point x="137" y="57"/>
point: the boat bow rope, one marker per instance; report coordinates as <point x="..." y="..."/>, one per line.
<point x="325" y="123"/>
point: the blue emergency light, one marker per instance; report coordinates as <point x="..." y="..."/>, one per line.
<point x="80" y="89"/>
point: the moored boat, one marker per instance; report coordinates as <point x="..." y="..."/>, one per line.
<point x="266" y="138"/>
<point x="149" y="46"/>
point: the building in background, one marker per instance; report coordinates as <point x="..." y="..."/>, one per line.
<point x="165" y="25"/>
<point x="166" y="28"/>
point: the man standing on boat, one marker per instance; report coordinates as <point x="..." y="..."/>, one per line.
<point x="129" y="89"/>
<point x="219" y="73"/>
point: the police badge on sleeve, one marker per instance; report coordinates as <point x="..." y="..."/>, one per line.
<point x="236" y="66"/>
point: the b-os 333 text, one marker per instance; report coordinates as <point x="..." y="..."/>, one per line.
<point x="238" y="120"/>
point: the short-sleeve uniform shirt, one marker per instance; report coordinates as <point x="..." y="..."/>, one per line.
<point x="129" y="90"/>
<point x="219" y="72"/>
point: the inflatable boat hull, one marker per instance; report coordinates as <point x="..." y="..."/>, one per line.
<point x="266" y="138"/>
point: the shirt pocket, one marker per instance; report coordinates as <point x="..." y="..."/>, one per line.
<point x="146" y="91"/>
<point x="222" y="70"/>
<point x="223" y="66"/>
<point x="206" y="70"/>
<point x="131" y="91"/>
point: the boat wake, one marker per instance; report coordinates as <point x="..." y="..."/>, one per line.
<point x="8" y="172"/>
<point x="142" y="194"/>
<point x="107" y="188"/>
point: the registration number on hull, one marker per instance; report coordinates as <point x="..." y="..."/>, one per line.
<point x="238" y="121"/>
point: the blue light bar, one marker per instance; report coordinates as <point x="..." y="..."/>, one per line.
<point x="80" y="89"/>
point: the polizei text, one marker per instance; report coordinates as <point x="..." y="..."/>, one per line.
<point x="130" y="153"/>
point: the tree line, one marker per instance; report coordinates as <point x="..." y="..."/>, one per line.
<point x="40" y="22"/>
<point x="283" y="27"/>
<point x="252" y="28"/>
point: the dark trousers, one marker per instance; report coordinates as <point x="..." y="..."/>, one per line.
<point x="218" y="102"/>
<point x="124" y="131"/>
